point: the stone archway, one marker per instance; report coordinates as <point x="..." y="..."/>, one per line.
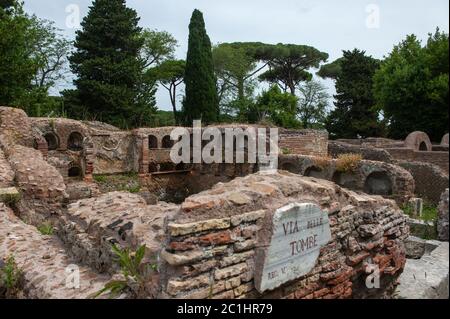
<point x="52" y="141"/>
<point x="152" y="142"/>
<point x="75" y="141"/>
<point x="419" y="141"/>
<point x="75" y="171"/>
<point x="378" y="183"/>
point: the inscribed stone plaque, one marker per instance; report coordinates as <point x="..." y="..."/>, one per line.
<point x="298" y="233"/>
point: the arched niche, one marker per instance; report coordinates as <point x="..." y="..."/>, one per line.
<point x="378" y="183"/>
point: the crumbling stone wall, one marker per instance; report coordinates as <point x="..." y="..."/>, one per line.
<point x="90" y="227"/>
<point x="6" y="173"/>
<point x="210" y="249"/>
<point x="43" y="262"/>
<point x="430" y="180"/>
<point x="42" y="187"/>
<point x="442" y="222"/>
<point x="368" y="153"/>
<point x="15" y="127"/>
<point x="398" y="182"/>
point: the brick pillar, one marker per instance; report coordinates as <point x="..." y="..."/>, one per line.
<point x="144" y="156"/>
<point x="89" y="155"/>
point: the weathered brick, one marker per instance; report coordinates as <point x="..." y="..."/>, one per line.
<point x="190" y="228"/>
<point x="236" y="258"/>
<point x="230" y="271"/>
<point x="244" y="245"/>
<point x="247" y="217"/>
<point x="220" y="238"/>
<point x="174" y="287"/>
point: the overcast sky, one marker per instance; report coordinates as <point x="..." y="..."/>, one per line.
<point x="329" y="25"/>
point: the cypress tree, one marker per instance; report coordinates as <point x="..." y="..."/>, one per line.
<point x="201" y="100"/>
<point x="106" y="61"/>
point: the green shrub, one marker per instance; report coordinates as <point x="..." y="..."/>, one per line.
<point x="46" y="229"/>
<point x="11" y="277"/>
<point x="133" y="269"/>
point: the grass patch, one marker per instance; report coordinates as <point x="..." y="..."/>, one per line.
<point x="100" y="178"/>
<point x="46" y="229"/>
<point x="126" y="182"/>
<point x="429" y="212"/>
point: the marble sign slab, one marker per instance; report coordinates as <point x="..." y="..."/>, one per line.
<point x="298" y="231"/>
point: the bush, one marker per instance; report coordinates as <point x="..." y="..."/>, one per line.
<point x="135" y="274"/>
<point x="11" y="277"/>
<point x="348" y="162"/>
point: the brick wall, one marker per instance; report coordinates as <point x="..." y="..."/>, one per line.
<point x="304" y="142"/>
<point x="211" y="244"/>
<point x="405" y="154"/>
<point x="431" y="181"/>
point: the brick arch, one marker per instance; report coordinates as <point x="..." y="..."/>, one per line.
<point x="75" y="170"/>
<point x="52" y="140"/>
<point x="418" y="141"/>
<point x="75" y="141"/>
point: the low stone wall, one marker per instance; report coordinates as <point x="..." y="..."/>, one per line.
<point x="91" y="226"/>
<point x="376" y="178"/>
<point x="213" y="240"/>
<point x="368" y="153"/>
<point x="44" y="265"/>
<point x="440" y="159"/>
<point x="431" y="181"/>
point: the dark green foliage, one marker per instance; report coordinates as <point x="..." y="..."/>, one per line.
<point x="17" y="66"/>
<point x="201" y="102"/>
<point x="276" y="107"/>
<point x="110" y="85"/>
<point x="331" y="70"/>
<point x="289" y="64"/>
<point x="411" y="87"/>
<point x="355" y="115"/>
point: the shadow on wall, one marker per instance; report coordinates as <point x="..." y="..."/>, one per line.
<point x="378" y="183"/>
<point x="75" y="142"/>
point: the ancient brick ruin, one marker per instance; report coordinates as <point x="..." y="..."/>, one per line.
<point x="206" y="227"/>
